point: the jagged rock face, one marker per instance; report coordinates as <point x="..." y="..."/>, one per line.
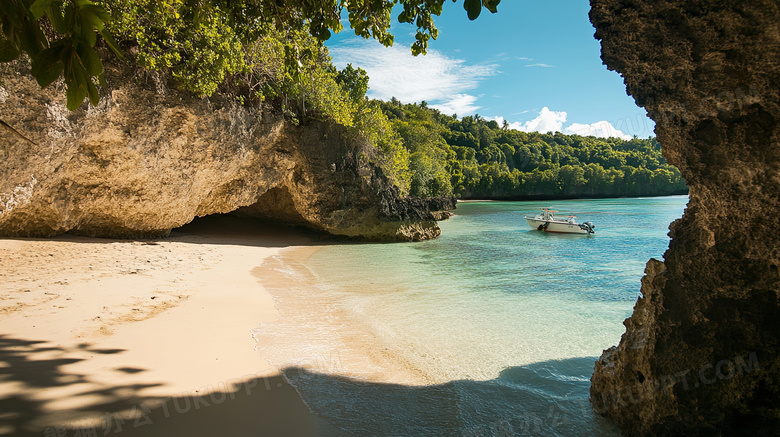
<point x="701" y="353"/>
<point x="149" y="160"/>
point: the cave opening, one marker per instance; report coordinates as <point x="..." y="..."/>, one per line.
<point x="274" y="206"/>
<point x="274" y="213"/>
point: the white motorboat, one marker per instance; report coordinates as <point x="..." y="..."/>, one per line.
<point x="547" y="222"/>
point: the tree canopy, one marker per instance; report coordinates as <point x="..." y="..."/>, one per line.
<point x="200" y="41"/>
<point x="473" y="157"/>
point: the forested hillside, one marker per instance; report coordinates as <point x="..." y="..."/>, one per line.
<point x="244" y="53"/>
<point x="476" y="158"/>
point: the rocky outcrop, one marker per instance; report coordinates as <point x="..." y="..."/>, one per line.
<point x="149" y="159"/>
<point x="701" y="353"/>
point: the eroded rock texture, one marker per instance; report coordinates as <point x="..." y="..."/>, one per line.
<point x="148" y="160"/>
<point x="701" y="353"/>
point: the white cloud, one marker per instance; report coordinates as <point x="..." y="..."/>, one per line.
<point x="393" y="72"/>
<point x="516" y="125"/>
<point x="602" y="129"/>
<point x="540" y="65"/>
<point x="552" y="121"/>
<point x="461" y="104"/>
<point x="546" y="121"/>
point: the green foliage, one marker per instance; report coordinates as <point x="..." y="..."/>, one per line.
<point x="480" y="159"/>
<point x="200" y="42"/>
<point x="474" y="7"/>
<point x="376" y="129"/>
<point x="59" y="37"/>
<point x="354" y="81"/>
<point x="429" y="155"/>
<point x="293" y="72"/>
<point x="198" y="45"/>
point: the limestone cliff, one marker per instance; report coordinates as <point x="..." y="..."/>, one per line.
<point x="701" y="353"/>
<point x="150" y="159"/>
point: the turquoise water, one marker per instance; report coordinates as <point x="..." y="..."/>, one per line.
<point x="491" y="329"/>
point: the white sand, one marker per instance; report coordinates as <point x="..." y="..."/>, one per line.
<point x="105" y="335"/>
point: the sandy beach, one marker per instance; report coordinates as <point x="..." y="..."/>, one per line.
<point x="148" y="337"/>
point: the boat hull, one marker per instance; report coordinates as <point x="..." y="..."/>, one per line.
<point x="556" y="226"/>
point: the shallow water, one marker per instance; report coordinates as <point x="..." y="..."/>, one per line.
<point x="491" y="329"/>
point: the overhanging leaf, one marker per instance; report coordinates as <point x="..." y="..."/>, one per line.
<point x="94" y="96"/>
<point x="92" y="19"/>
<point x="98" y="12"/>
<point x="88" y="34"/>
<point x="8" y="52"/>
<point x="111" y="43"/>
<point x="75" y="95"/>
<point x="491" y="5"/>
<point x="54" y="12"/>
<point x="49" y="74"/>
<point x="39" y="7"/>
<point x="90" y="60"/>
<point x="11" y="9"/>
<point x="324" y="34"/>
<point x="473" y="8"/>
<point x="9" y="29"/>
<point x="47" y="66"/>
<point x="31" y="39"/>
<point x="76" y="79"/>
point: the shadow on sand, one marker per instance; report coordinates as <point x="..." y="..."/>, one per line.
<point x="548" y="398"/>
<point x="218" y="229"/>
<point x="248" y="406"/>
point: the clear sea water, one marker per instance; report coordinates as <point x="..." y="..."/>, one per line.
<point x="490" y="330"/>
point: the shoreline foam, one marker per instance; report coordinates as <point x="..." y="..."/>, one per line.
<point x="315" y="333"/>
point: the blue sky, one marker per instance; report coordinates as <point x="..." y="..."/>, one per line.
<point x="534" y="64"/>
